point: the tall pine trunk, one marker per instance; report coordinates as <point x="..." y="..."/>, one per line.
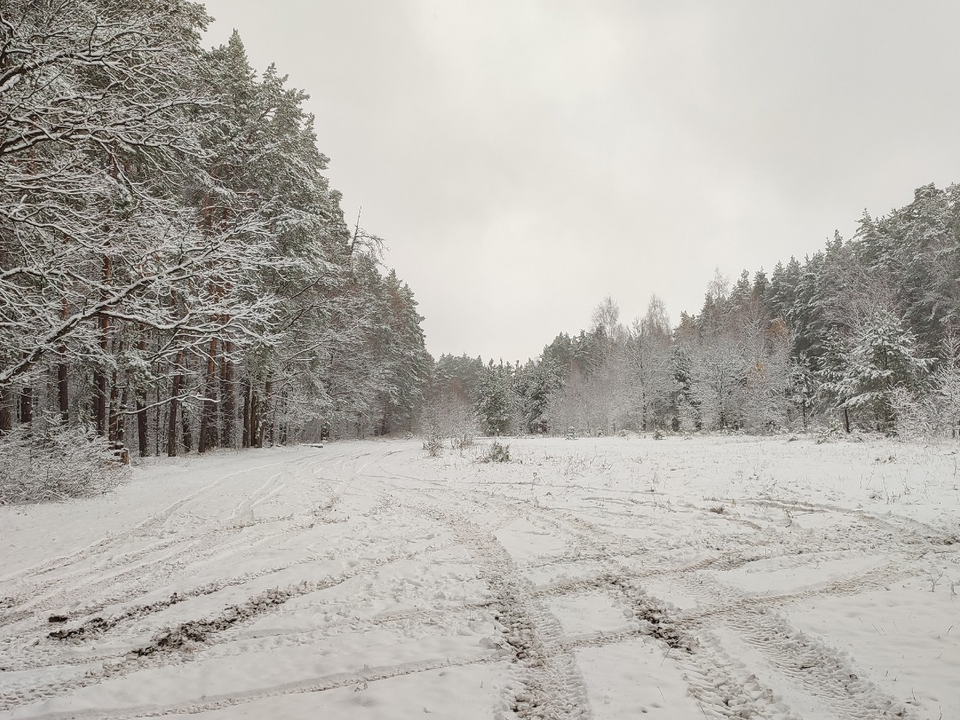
<point x="141" y="400"/>
<point x="63" y="376"/>
<point x="174" y="407"/>
<point x="254" y="430"/>
<point x="208" y="415"/>
<point x="6" y="416"/>
<point x="114" y="435"/>
<point x="99" y="373"/>
<point x="262" y="414"/>
<point x="26" y="405"/>
<point x="246" y="439"/>
<point x="100" y="401"/>
<point x="158" y="420"/>
<point x="228" y="395"/>
<point x="187" y="430"/>
<point x="208" y="408"/>
<point x="142" y="422"/>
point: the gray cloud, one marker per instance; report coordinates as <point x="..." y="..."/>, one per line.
<point x="524" y="159"/>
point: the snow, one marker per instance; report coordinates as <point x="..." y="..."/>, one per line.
<point x="598" y="578"/>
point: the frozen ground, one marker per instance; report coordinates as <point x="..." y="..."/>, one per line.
<point x="609" y="578"/>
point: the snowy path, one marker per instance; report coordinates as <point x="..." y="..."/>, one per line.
<point x="611" y="578"/>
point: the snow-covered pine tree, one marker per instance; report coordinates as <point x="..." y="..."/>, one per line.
<point x="879" y="356"/>
<point x="496" y="402"/>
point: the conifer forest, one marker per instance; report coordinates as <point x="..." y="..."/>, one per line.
<point x="177" y="275"/>
<point x="234" y="482"/>
<point x="862" y="335"/>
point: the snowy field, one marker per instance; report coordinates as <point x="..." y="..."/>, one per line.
<point x="591" y="578"/>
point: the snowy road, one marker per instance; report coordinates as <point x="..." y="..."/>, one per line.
<point x="609" y="578"/>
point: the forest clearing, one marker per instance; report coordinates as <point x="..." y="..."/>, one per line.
<point x="615" y="577"/>
<point x="236" y="480"/>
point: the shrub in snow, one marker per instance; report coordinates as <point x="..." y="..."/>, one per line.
<point x="462" y="441"/>
<point x="496" y="453"/>
<point x="447" y="416"/>
<point x="433" y="444"/>
<point x="55" y="463"/>
<point x="916" y="417"/>
<point x="828" y="433"/>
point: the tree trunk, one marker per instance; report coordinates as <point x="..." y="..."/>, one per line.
<point x="255" y="419"/>
<point x="846" y="420"/>
<point x="158" y="418"/>
<point x="114" y="433"/>
<point x="121" y="428"/>
<point x="174" y="408"/>
<point x="187" y="430"/>
<point x="208" y="414"/>
<point x="140" y="393"/>
<point x="228" y="395"/>
<point x="282" y="429"/>
<point x="63" y="381"/>
<point x="247" y="438"/>
<point x="100" y="401"/>
<point x="26" y="405"/>
<point x="142" y="422"/>
<point x="99" y="376"/>
<point x="262" y="414"/>
<point x="6" y="417"/>
<point x="63" y="392"/>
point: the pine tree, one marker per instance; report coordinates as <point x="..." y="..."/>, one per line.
<point x="880" y="356"/>
<point x="496" y="403"/>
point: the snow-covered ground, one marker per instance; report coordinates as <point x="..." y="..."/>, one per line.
<point x="591" y="578"/>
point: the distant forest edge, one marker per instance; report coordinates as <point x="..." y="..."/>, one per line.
<point x="863" y="335"/>
<point x="176" y="275"/>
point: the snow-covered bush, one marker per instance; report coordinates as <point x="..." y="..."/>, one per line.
<point x="55" y="463"/>
<point x="462" y="441"/>
<point x="447" y="416"/>
<point x="496" y="453"/>
<point x="433" y="444"/>
<point x="917" y="418"/>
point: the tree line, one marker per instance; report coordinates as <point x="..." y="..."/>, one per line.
<point x="176" y="273"/>
<point x="864" y="334"/>
<point x="175" y="269"/>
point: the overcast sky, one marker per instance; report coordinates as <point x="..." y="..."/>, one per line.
<point x="523" y="159"/>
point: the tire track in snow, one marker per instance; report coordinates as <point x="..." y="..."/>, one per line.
<point x="822" y="672"/>
<point x="208" y="628"/>
<point x="534" y="635"/>
<point x="187" y="638"/>
<point x="550" y="684"/>
<point x="831" y="686"/>
<point x="910" y="530"/>
<point x="357" y="679"/>
<point x="43" y="653"/>
<point x="163" y="563"/>
<point x="721" y="683"/>
<point x="36" y="596"/>
<point x="140" y="575"/>
<point x="722" y="688"/>
<point x="106" y="544"/>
